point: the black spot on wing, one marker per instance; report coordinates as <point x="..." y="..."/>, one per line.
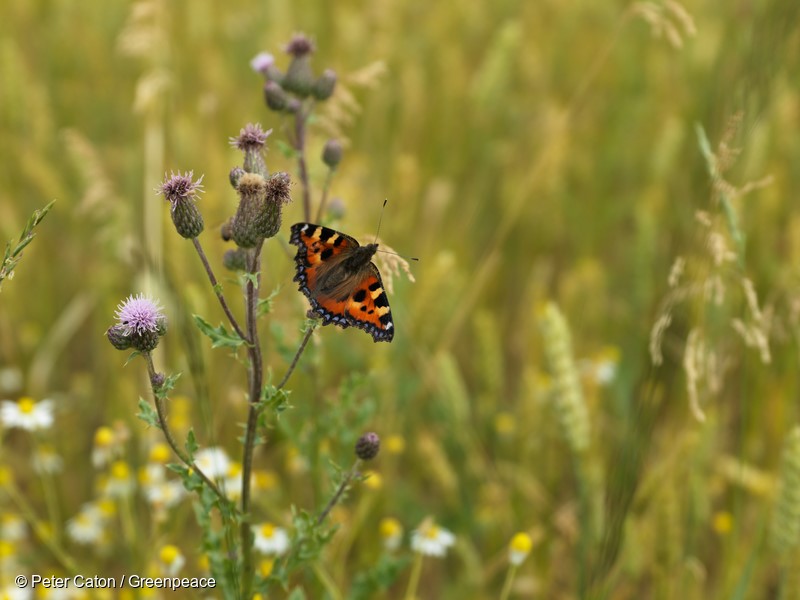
<point x="375" y="286"/>
<point x="326" y="233"/>
<point x="339" y="241"/>
<point x="359" y="296"/>
<point x="327" y="253"/>
<point x="381" y="300"/>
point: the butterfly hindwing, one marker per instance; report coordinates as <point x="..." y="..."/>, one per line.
<point x="354" y="295"/>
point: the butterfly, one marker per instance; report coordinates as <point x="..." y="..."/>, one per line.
<point x="338" y="278"/>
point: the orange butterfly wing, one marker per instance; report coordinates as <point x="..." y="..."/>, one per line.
<point x="364" y="305"/>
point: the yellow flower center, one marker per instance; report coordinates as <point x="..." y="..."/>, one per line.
<point x="159" y="453"/>
<point x="432" y="532"/>
<point x="104" y="437"/>
<point x="521" y="543"/>
<point x="389" y="527"/>
<point x="26" y="405"/>
<point x="265" y="480"/>
<point x="107" y="507"/>
<point x="234" y="470"/>
<point x="7" y="549"/>
<point x="268" y="530"/>
<point x="169" y="554"/>
<point x="723" y="522"/>
<point x="373" y="480"/>
<point x="203" y="563"/>
<point x="120" y="470"/>
<point x="5" y="476"/>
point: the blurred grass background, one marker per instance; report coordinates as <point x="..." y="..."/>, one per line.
<point x="530" y="151"/>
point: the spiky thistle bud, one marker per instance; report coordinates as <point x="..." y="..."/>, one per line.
<point x="332" y="153"/>
<point x="368" y="446"/>
<point x="324" y="85"/>
<point x="181" y="192"/>
<point x="251" y="141"/>
<point x="141" y="321"/>
<point x="299" y="77"/>
<point x="157" y="380"/>
<point x="277" y="195"/>
<point x="116" y="335"/>
<point x="275" y="96"/>
<point x="234" y="260"/>
<point x="247" y="222"/>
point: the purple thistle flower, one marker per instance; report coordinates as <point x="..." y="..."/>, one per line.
<point x="140" y="314"/>
<point x="177" y="187"/>
<point x="250" y="138"/>
<point x="262" y="61"/>
<point x="299" y="45"/>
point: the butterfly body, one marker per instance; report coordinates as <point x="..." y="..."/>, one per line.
<point x="342" y="284"/>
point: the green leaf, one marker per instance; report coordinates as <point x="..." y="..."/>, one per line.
<point x="148" y="414"/>
<point x="220" y="337"/>
<point x="297" y="594"/>
<point x="12" y="257"/>
<point x="191" y="444"/>
<point x="274" y="399"/>
<point x="285" y="149"/>
<point x="264" y="305"/>
<point x="379" y="577"/>
<point x="169" y="384"/>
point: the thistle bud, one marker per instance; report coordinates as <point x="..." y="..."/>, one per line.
<point x="157" y="380"/>
<point x="181" y="191"/>
<point x="235" y="174"/>
<point x="367" y="446"/>
<point x="299" y="78"/>
<point x="332" y="153"/>
<point x="226" y="231"/>
<point x="276" y="98"/>
<point x="234" y="260"/>
<point x="246" y="227"/>
<point x="336" y="208"/>
<point x="324" y="85"/>
<point x="116" y="335"/>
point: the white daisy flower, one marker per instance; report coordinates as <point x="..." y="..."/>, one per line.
<point x="171" y="560"/>
<point x="391" y="532"/>
<point x="87" y="527"/>
<point x="12" y="527"/>
<point x="165" y="494"/>
<point x="27" y="414"/>
<point x="107" y="446"/>
<point x="232" y="485"/>
<point x="270" y="539"/>
<point x="120" y="482"/>
<point x="213" y="462"/>
<point x="46" y="460"/>
<point x="12" y="592"/>
<point x="519" y="548"/>
<point x="432" y="540"/>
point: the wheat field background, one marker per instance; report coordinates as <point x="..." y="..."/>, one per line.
<point x="632" y="167"/>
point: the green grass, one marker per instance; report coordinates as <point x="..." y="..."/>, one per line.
<point x="531" y="152"/>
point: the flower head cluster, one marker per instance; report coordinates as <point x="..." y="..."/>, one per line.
<point x="271" y="539"/>
<point x="431" y="539"/>
<point x="140" y="324"/>
<point x="285" y="92"/>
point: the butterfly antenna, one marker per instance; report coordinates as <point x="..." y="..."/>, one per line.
<point x="380" y="219"/>
<point x="398" y="254"/>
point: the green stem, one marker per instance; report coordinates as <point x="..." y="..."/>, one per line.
<point x="342" y="487"/>
<point x="325" y="190"/>
<point x="296" y="358"/>
<point x="218" y="291"/>
<point x="255" y="376"/>
<point x="512" y="570"/>
<point x="413" y="580"/>
<point x="327" y="582"/>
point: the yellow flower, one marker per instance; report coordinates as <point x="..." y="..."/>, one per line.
<point x="160" y="453"/>
<point x="265" y="567"/>
<point x="505" y="423"/>
<point x="265" y="480"/>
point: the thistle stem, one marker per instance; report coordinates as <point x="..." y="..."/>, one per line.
<point x="325" y="189"/>
<point x="300" y="147"/>
<point x="162" y="421"/>
<point x="342" y="487"/>
<point x="218" y="291"/>
<point x="296" y="358"/>
<point x="256" y="375"/>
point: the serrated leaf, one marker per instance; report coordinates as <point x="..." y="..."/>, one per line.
<point x="191" y="444"/>
<point x="148" y="414"/>
<point x="168" y="385"/>
<point x="264" y="305"/>
<point x="220" y="337"/>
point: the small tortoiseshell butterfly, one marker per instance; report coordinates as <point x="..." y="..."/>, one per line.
<point x="337" y="277"/>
